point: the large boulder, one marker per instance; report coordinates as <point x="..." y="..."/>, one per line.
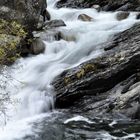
<point x="109" y="83"/>
<point x="26" y="13"/>
<point x="18" y="19"/>
<point x="37" y="47"/>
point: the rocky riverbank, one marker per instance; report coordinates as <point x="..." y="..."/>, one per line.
<point x="85" y="84"/>
<point x="18" y="19"/>
<point x="108" y="84"/>
<point x="106" y="5"/>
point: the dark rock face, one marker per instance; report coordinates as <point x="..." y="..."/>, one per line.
<point x="26" y="13"/>
<point x="107" y="5"/>
<point x="106" y="84"/>
<point x="53" y="24"/>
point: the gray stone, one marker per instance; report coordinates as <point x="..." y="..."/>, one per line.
<point x="54" y="24"/>
<point x="97" y="7"/>
<point x="47" y="14"/>
<point x="138" y="16"/>
<point x="37" y="47"/>
<point x="85" y="17"/>
<point x="122" y="15"/>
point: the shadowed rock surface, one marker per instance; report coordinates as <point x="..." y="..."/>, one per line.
<point x="107" y="5"/>
<point x="109" y="83"/>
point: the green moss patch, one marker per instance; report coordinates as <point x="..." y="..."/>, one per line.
<point x="83" y="71"/>
<point x="11" y="34"/>
<point x="12" y="28"/>
<point x="8" y="49"/>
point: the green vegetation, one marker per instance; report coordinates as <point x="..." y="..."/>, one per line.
<point x="12" y="28"/>
<point x="81" y="73"/>
<point x="86" y="69"/>
<point x="11" y="34"/>
<point x="67" y="80"/>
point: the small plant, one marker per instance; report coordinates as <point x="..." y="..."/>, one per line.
<point x="67" y="80"/>
<point x="80" y="73"/>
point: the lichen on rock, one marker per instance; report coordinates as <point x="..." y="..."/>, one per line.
<point x="12" y="28"/>
<point x="11" y="35"/>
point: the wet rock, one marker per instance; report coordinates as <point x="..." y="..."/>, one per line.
<point x="107" y="5"/>
<point x="48" y="35"/>
<point x="137" y="113"/>
<point x="37" y="47"/>
<point x="53" y="24"/>
<point x="110" y="79"/>
<point x="42" y="19"/>
<point x="47" y="15"/>
<point x="138" y="16"/>
<point x="119" y="4"/>
<point x="97" y="7"/>
<point x="85" y="17"/>
<point x="138" y="8"/>
<point x="68" y="37"/>
<point x="122" y="15"/>
<point x="77" y="3"/>
<point x="125" y="7"/>
<point x="40" y="22"/>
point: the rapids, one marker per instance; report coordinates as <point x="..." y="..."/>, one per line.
<point x="28" y="81"/>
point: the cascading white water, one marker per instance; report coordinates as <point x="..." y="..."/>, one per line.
<point x="30" y="85"/>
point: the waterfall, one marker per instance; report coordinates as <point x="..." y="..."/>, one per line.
<point x="30" y="80"/>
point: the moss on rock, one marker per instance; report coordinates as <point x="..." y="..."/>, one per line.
<point x="11" y="35"/>
<point x="83" y="71"/>
<point x="80" y="73"/>
<point x="86" y="69"/>
<point x="12" y="28"/>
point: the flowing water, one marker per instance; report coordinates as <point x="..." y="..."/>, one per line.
<point x="30" y="113"/>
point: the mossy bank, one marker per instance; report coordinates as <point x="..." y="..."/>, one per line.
<point x="11" y="36"/>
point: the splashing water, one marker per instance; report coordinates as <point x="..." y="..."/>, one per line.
<point x="30" y="83"/>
